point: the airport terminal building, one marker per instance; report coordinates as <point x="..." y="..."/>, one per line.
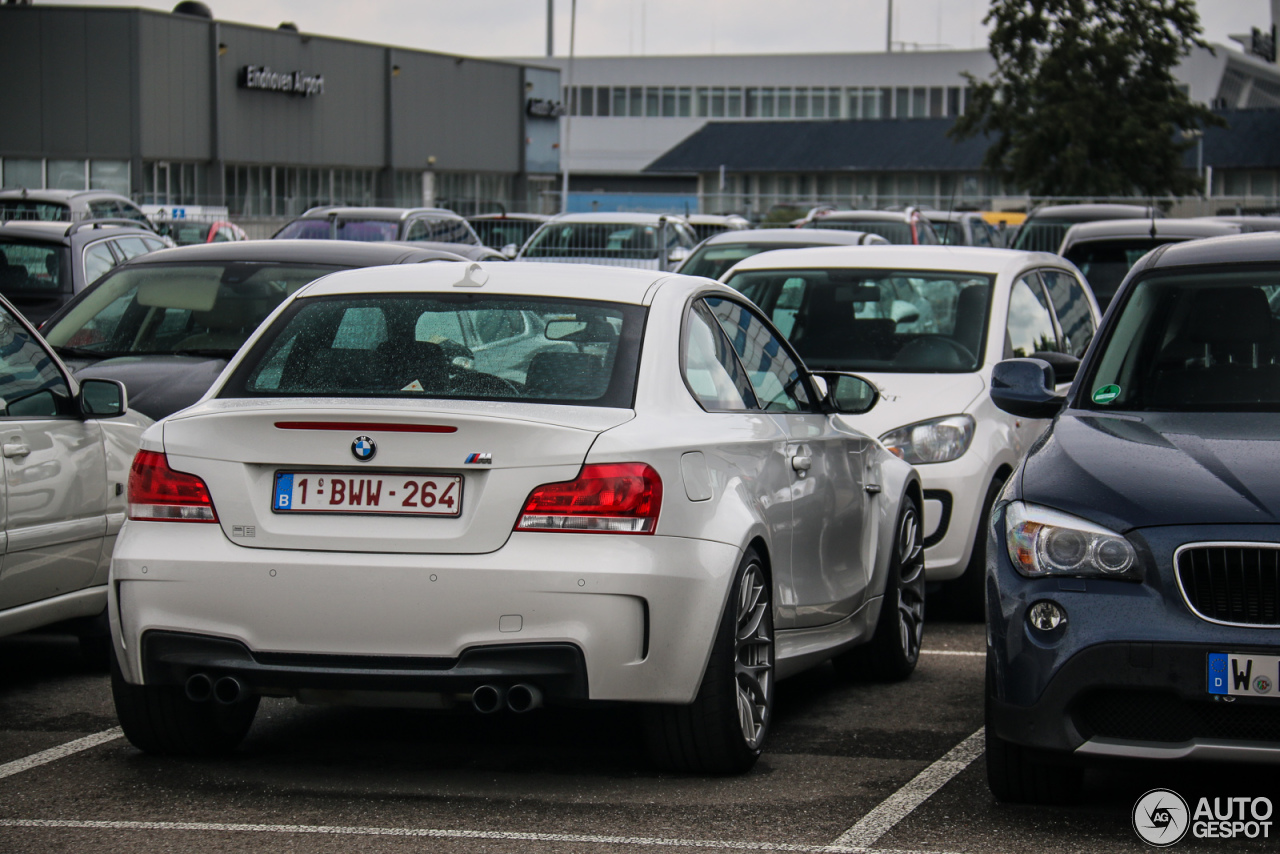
<point x="174" y="108"/>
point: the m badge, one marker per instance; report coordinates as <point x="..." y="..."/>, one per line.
<point x="479" y="460"/>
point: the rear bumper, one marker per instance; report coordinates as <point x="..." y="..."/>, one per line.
<point x="642" y="611"/>
<point x="559" y="670"/>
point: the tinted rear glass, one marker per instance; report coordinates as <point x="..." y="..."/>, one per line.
<point x="1105" y="263"/>
<point x="714" y="260"/>
<point x="178" y="309"/>
<point x="27" y="209"/>
<point x="28" y="267"/>
<point x="456" y="346"/>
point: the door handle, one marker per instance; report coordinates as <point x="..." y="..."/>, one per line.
<point x="14" y="449"/>
<point x="872" y="488"/>
<point x="801" y="462"/>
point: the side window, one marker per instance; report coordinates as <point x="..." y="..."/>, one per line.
<point x="491" y="326"/>
<point x="1030" y="327"/>
<point x="710" y="369"/>
<point x="223" y="235"/>
<point x="153" y="244"/>
<point x="131" y="247"/>
<point x="105" y="209"/>
<point x="97" y="261"/>
<point x="417" y="230"/>
<point x="360" y="329"/>
<point x="1072" y="307"/>
<point x="31" y="386"/>
<point x="437" y="326"/>
<point x="981" y="233"/>
<point x="774" y="375"/>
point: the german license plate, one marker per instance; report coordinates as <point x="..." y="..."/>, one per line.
<point x="360" y="492"/>
<point x="1240" y="674"/>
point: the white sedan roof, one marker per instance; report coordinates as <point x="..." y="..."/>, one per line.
<point x="574" y="281"/>
<point x="968" y="259"/>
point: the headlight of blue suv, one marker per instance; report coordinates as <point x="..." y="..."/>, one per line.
<point x="938" y="440"/>
<point x="1044" y="542"/>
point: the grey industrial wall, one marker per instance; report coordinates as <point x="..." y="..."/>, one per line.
<point x="67" y="81"/>
<point x="128" y="83"/>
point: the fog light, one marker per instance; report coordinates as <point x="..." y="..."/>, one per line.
<point x="1046" y="616"/>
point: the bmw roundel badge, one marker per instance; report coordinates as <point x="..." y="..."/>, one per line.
<point x="363" y="449"/>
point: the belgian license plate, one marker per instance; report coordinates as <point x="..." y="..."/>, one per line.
<point x="360" y="492"/>
<point x="1244" y="675"/>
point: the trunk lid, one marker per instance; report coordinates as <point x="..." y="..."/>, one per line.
<point x="238" y="447"/>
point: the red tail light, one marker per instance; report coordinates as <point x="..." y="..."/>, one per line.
<point x="617" y="498"/>
<point x="157" y="493"/>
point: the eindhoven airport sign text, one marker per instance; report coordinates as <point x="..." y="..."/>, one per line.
<point x="285" y="82"/>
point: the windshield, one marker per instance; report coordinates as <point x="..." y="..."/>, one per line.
<point x="1105" y="263"/>
<point x="713" y="260"/>
<point x="498" y="233"/>
<point x="600" y="241"/>
<point x="462" y="346"/>
<point x="28" y="267"/>
<point x="177" y="309"/>
<point x="28" y="209"/>
<point x="1191" y="343"/>
<point x="876" y="320"/>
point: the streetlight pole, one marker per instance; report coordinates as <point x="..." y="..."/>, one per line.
<point x="568" y="115"/>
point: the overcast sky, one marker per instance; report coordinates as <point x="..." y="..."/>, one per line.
<point x="637" y="27"/>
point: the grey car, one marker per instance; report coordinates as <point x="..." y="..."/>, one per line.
<point x="45" y="264"/>
<point x="68" y="206"/>
<point x="378" y="225"/>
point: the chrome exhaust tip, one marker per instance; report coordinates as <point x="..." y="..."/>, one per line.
<point x="199" y="688"/>
<point x="487" y="699"/>
<point x="228" y="690"/>
<point x="524" y="698"/>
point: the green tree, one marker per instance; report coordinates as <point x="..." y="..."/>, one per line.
<point x="1083" y="101"/>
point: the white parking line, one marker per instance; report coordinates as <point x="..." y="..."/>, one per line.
<point x="53" y="754"/>
<point x="949" y="652"/>
<point x="411" y="832"/>
<point x="897" y="806"/>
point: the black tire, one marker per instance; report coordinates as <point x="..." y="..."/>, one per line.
<point x="710" y="735"/>
<point x="1021" y="775"/>
<point x="966" y="596"/>
<point x="160" y="719"/>
<point x="893" y="651"/>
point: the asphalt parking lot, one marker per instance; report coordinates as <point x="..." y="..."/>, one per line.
<point x="848" y="768"/>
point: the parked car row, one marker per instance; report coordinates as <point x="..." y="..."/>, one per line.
<point x="568" y="483"/>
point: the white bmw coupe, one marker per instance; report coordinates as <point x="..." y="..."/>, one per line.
<point x="505" y="486"/>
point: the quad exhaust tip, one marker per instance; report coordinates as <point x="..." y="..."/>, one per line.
<point x="199" y="688"/>
<point x="228" y="690"/>
<point x="488" y="699"/>
<point x="523" y="698"/>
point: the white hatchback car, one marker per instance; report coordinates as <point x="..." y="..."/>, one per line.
<point x="629" y="513"/>
<point x="926" y="325"/>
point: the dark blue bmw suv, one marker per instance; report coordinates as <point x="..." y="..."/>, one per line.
<point x="1133" y="570"/>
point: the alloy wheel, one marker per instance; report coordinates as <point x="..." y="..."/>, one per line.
<point x="910" y="584"/>
<point x="753" y="654"/>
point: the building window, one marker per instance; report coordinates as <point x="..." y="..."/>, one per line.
<point x="901" y="103"/>
<point x="22" y="173"/>
<point x="802" y="103"/>
<point x="651" y="102"/>
<point x="818" y="106"/>
<point x="935" y="103"/>
<point x="586" y="101"/>
<point x="602" y="101"/>
<point x="669" y="102"/>
<point x="766" y="103"/>
<point x="704" y="102"/>
<point x="919" y="102"/>
<point x="619" y="101"/>
<point x="953" y="100"/>
<point x="637" y="101"/>
<point x="686" y="102"/>
<point x="870" y="105"/>
<point x="784" y="103"/>
<point x="753" y="103"/>
<point x="66" y="174"/>
<point x="717" y="103"/>
<point x="735" y="103"/>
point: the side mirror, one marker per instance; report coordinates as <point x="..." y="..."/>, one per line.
<point x="678" y="255"/>
<point x="1024" y="387"/>
<point x="510" y="251"/>
<point x="847" y="394"/>
<point x="1064" y="365"/>
<point x="101" y="398"/>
